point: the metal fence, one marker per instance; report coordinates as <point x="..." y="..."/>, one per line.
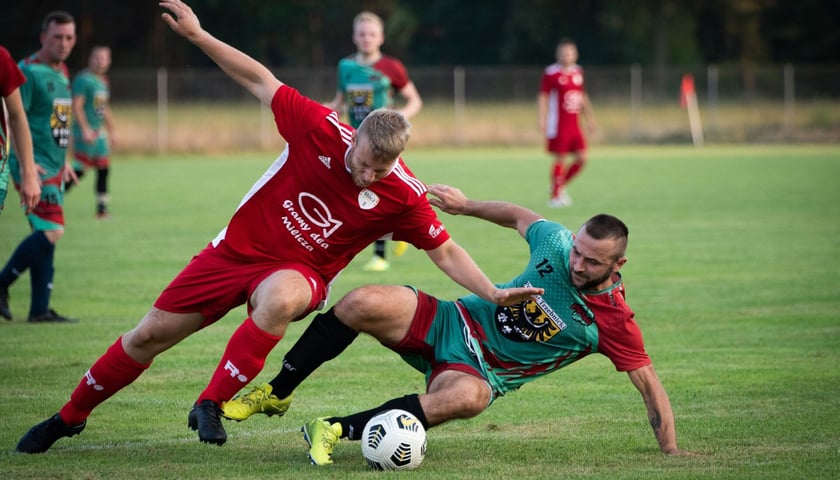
<point x="786" y="97"/>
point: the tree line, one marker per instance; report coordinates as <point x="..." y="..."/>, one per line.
<point x="311" y="33"/>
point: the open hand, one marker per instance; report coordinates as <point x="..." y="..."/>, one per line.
<point x="30" y="192"/>
<point x="449" y="199"/>
<point x="184" y="22"/>
<point x="68" y="175"/>
<point x="515" y="295"/>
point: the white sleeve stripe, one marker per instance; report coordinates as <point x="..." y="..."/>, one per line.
<point x="346" y="133"/>
<point x="275" y="167"/>
<point x="416" y="185"/>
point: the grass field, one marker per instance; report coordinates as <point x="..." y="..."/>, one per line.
<point x="732" y="274"/>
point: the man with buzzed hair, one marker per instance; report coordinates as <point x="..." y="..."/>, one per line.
<point x="47" y="102"/>
<point x="472" y="351"/>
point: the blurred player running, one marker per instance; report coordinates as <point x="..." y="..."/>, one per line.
<point x="560" y="100"/>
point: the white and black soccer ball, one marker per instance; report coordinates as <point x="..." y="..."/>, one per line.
<point x="394" y="440"/>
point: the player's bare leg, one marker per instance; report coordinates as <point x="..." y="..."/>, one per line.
<point x="454" y="394"/>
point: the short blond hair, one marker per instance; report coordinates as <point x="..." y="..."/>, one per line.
<point x="387" y="132"/>
<point x="368" y="17"/>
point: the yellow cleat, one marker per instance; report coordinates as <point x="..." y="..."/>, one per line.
<point x="399" y="248"/>
<point x="258" y="400"/>
<point x="322" y="438"/>
<point x="377" y="264"/>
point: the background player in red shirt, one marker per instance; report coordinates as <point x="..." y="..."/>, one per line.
<point x="560" y="101"/>
<point x="330" y="194"/>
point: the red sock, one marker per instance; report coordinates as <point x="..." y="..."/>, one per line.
<point x="110" y="373"/>
<point x="242" y="361"/>
<point x="557" y="180"/>
<point x="574" y="169"/>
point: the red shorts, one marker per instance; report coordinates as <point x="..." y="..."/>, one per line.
<point x="567" y="140"/>
<point x="215" y="282"/>
<point x="435" y="340"/>
<point x="48" y="214"/>
<point x="92" y="162"/>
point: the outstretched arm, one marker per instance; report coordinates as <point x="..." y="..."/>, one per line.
<point x="659" y="411"/>
<point x="452" y="201"/>
<point x="454" y="261"/>
<point x="246" y="71"/>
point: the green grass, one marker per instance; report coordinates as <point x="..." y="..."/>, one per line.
<point x="732" y="275"/>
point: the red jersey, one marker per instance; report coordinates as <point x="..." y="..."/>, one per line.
<point x="10" y="78"/>
<point x="619" y="337"/>
<point x="565" y="90"/>
<point x="394" y="70"/>
<point x="307" y="209"/>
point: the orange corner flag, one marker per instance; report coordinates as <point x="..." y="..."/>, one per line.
<point x="686" y="89"/>
<point x="688" y="100"/>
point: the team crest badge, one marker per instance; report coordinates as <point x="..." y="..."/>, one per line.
<point x="60" y="121"/>
<point x="368" y="199"/>
<point x="528" y="322"/>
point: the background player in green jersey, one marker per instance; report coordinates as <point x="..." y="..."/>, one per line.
<point x="367" y="81"/>
<point x="93" y="125"/>
<point x="47" y="101"/>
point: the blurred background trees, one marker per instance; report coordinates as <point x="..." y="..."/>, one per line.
<point x="310" y="33"/>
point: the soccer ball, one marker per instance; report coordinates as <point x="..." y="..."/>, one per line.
<point x="394" y="440"/>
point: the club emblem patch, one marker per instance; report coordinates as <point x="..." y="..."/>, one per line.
<point x="528" y="322"/>
<point x="368" y="199"/>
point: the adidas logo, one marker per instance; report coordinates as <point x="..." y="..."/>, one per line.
<point x="325" y="160"/>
